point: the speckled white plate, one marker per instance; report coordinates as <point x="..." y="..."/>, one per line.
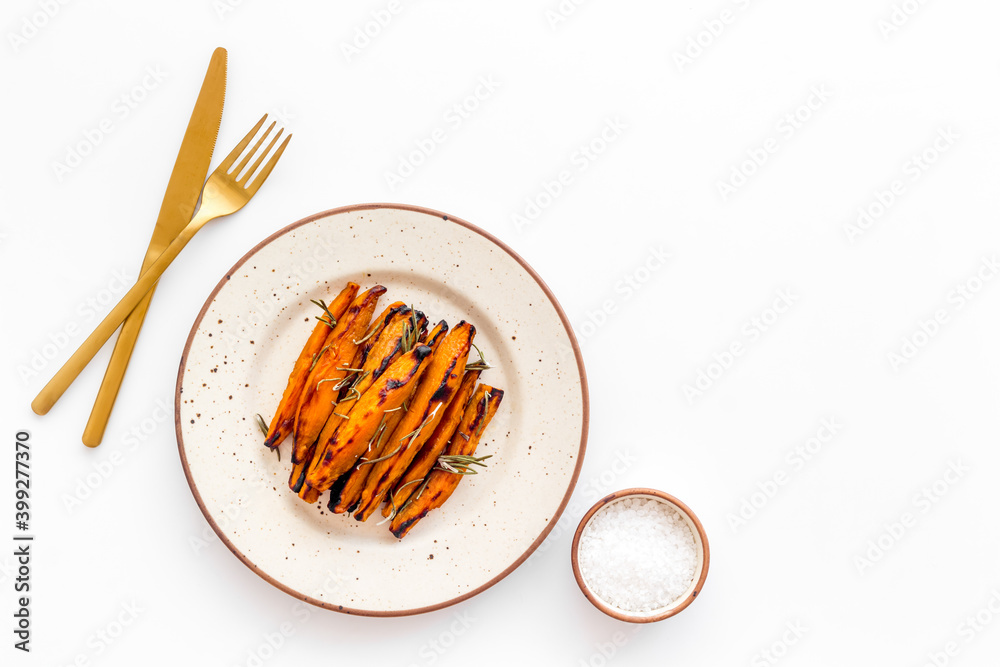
<point x="236" y="363"/>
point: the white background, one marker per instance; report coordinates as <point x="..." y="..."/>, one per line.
<point x="139" y="539"/>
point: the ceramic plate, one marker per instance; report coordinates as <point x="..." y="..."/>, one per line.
<point x="236" y="363"/>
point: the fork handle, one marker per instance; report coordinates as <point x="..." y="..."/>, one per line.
<point x="65" y="376"/>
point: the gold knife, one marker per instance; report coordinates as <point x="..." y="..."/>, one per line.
<point x="183" y="189"/>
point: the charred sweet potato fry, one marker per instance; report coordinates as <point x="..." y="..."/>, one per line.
<point x="434" y="447"/>
<point x="284" y="416"/>
<point x="392" y="342"/>
<point x="298" y="475"/>
<point x="345" y="495"/>
<point x="386" y="349"/>
<point x="361" y="377"/>
<point x="425" y="337"/>
<point x="366" y="343"/>
<point x="439" y="484"/>
<point x="426" y="410"/>
<point x="336" y="456"/>
<point x="332" y="368"/>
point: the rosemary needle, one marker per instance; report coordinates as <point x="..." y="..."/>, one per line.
<point x="332" y="322"/>
<point x="392" y="500"/>
<point x="367" y="336"/>
<point x="486" y="408"/>
<point x="316" y="357"/>
<point x="261" y="424"/>
<point x="461" y="464"/>
<point x="480" y="365"/>
<point x="381" y="458"/>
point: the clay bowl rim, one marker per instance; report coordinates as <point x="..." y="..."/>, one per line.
<point x="678" y="605"/>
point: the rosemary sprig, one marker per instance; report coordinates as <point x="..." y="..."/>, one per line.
<point x="409" y="338"/>
<point x="392" y="500"/>
<point x="481" y="364"/>
<point x="349" y="397"/>
<point x="412" y="481"/>
<point x="367" y="336"/>
<point x="332" y="321"/>
<point x="262" y="425"/>
<point x="486" y="407"/>
<point x="414" y="496"/>
<point x="365" y="462"/>
<point x="413" y="434"/>
<point x="420" y="491"/>
<point x="316" y="358"/>
<point x="337" y="414"/>
<point x="376" y="438"/>
<point x="360" y="378"/>
<point x="341" y="382"/>
<point x="461" y="464"/>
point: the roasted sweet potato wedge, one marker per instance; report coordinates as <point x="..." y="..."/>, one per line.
<point x="435" y="445"/>
<point x="366" y="343"/>
<point x="336" y="456"/>
<point x="440" y="483"/>
<point x="345" y="495"/>
<point x="331" y="369"/>
<point x="284" y="417"/>
<point x="426" y="410"/>
<point x="385" y="349"/>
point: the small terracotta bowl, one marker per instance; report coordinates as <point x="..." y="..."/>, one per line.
<point x="700" y="539"/>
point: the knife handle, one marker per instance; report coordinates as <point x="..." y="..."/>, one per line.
<point x="113" y="376"/>
<point x="65" y="376"/>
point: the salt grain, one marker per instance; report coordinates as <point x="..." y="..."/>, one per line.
<point x="638" y="555"/>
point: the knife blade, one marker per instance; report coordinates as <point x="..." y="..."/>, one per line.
<point x="176" y="210"/>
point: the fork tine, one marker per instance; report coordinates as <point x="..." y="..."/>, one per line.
<point x="268" y="166"/>
<point x="231" y="158"/>
<point x="253" y="151"/>
<point x="263" y="154"/>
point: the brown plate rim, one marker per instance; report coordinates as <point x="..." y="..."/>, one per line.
<point x="585" y="396"/>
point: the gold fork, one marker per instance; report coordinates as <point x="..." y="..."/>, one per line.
<point x="225" y="192"/>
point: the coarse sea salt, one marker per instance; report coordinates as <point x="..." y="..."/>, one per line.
<point x="638" y="554"/>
